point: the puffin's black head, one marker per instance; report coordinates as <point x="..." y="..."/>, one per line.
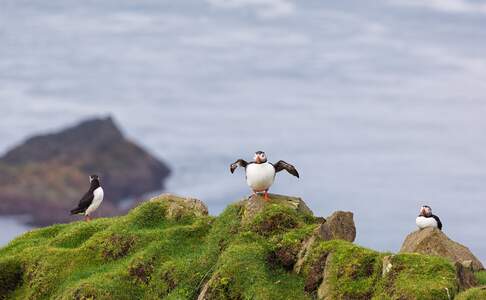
<point x="426" y="211"/>
<point x="260" y="157"/>
<point x="94" y="177"/>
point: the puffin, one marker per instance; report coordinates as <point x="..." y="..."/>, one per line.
<point x="91" y="200"/>
<point x="427" y="219"/>
<point x="260" y="174"/>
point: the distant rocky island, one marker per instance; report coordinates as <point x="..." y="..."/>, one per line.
<point x="47" y="174"/>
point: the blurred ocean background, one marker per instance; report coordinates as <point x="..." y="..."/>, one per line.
<point x="381" y="105"/>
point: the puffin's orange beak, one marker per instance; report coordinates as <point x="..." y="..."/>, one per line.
<point x="258" y="159"/>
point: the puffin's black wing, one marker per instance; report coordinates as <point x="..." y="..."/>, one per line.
<point x="240" y="162"/>
<point x="439" y="223"/>
<point x="84" y="203"/>
<point x="281" y="165"/>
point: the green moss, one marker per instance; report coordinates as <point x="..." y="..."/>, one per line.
<point x="163" y="250"/>
<point x="116" y="245"/>
<point x="78" y="233"/>
<point x="286" y="246"/>
<point x="33" y="238"/>
<point x="481" y="276"/>
<point x="352" y="271"/>
<point x="415" y="276"/>
<point x="276" y="219"/>
<point x="242" y="273"/>
<point x="147" y="215"/>
<point x="104" y="286"/>
<point x="478" y="293"/>
<point x="356" y="273"/>
<point x="224" y="229"/>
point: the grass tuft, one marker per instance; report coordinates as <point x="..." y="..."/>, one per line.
<point x="478" y="293"/>
<point x="116" y="246"/>
<point x="481" y="277"/>
<point x="275" y="219"/>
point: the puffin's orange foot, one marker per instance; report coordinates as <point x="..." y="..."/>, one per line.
<point x="87" y="218"/>
<point x="266" y="196"/>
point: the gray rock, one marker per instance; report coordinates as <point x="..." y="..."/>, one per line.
<point x="324" y="293"/>
<point x="340" y="225"/>
<point x="304" y="251"/>
<point x="432" y="241"/>
<point x="255" y="205"/>
<point x="465" y="277"/>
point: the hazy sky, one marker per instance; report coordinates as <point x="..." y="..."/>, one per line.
<point x="380" y="104"/>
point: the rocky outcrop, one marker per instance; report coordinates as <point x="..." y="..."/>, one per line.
<point x="47" y="174"/>
<point x="340" y="225"/>
<point x="323" y="292"/>
<point x="432" y="241"/>
<point x="256" y="204"/>
<point x="304" y="251"/>
<point x="465" y="276"/>
<point x="169" y="248"/>
<point x="181" y="206"/>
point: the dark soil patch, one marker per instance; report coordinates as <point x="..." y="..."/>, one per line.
<point x="141" y="270"/>
<point x="275" y="223"/>
<point x="284" y="256"/>
<point x="316" y="274"/>
<point x="117" y="246"/>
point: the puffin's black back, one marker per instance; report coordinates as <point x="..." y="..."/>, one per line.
<point x="439" y="223"/>
<point x="87" y="198"/>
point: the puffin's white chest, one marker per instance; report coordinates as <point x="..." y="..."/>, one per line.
<point x="260" y="176"/>
<point x="97" y="199"/>
<point x="423" y="222"/>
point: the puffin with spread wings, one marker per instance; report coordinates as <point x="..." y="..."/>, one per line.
<point x="260" y="174"/>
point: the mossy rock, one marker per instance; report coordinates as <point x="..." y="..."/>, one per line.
<point x="414" y="276"/>
<point x="179" y="207"/>
<point x="274" y="219"/>
<point x="286" y="247"/>
<point x="256" y="204"/>
<point x="432" y="241"/>
<point x="168" y="248"/>
<point x="243" y="273"/>
<point x="340" y="270"/>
